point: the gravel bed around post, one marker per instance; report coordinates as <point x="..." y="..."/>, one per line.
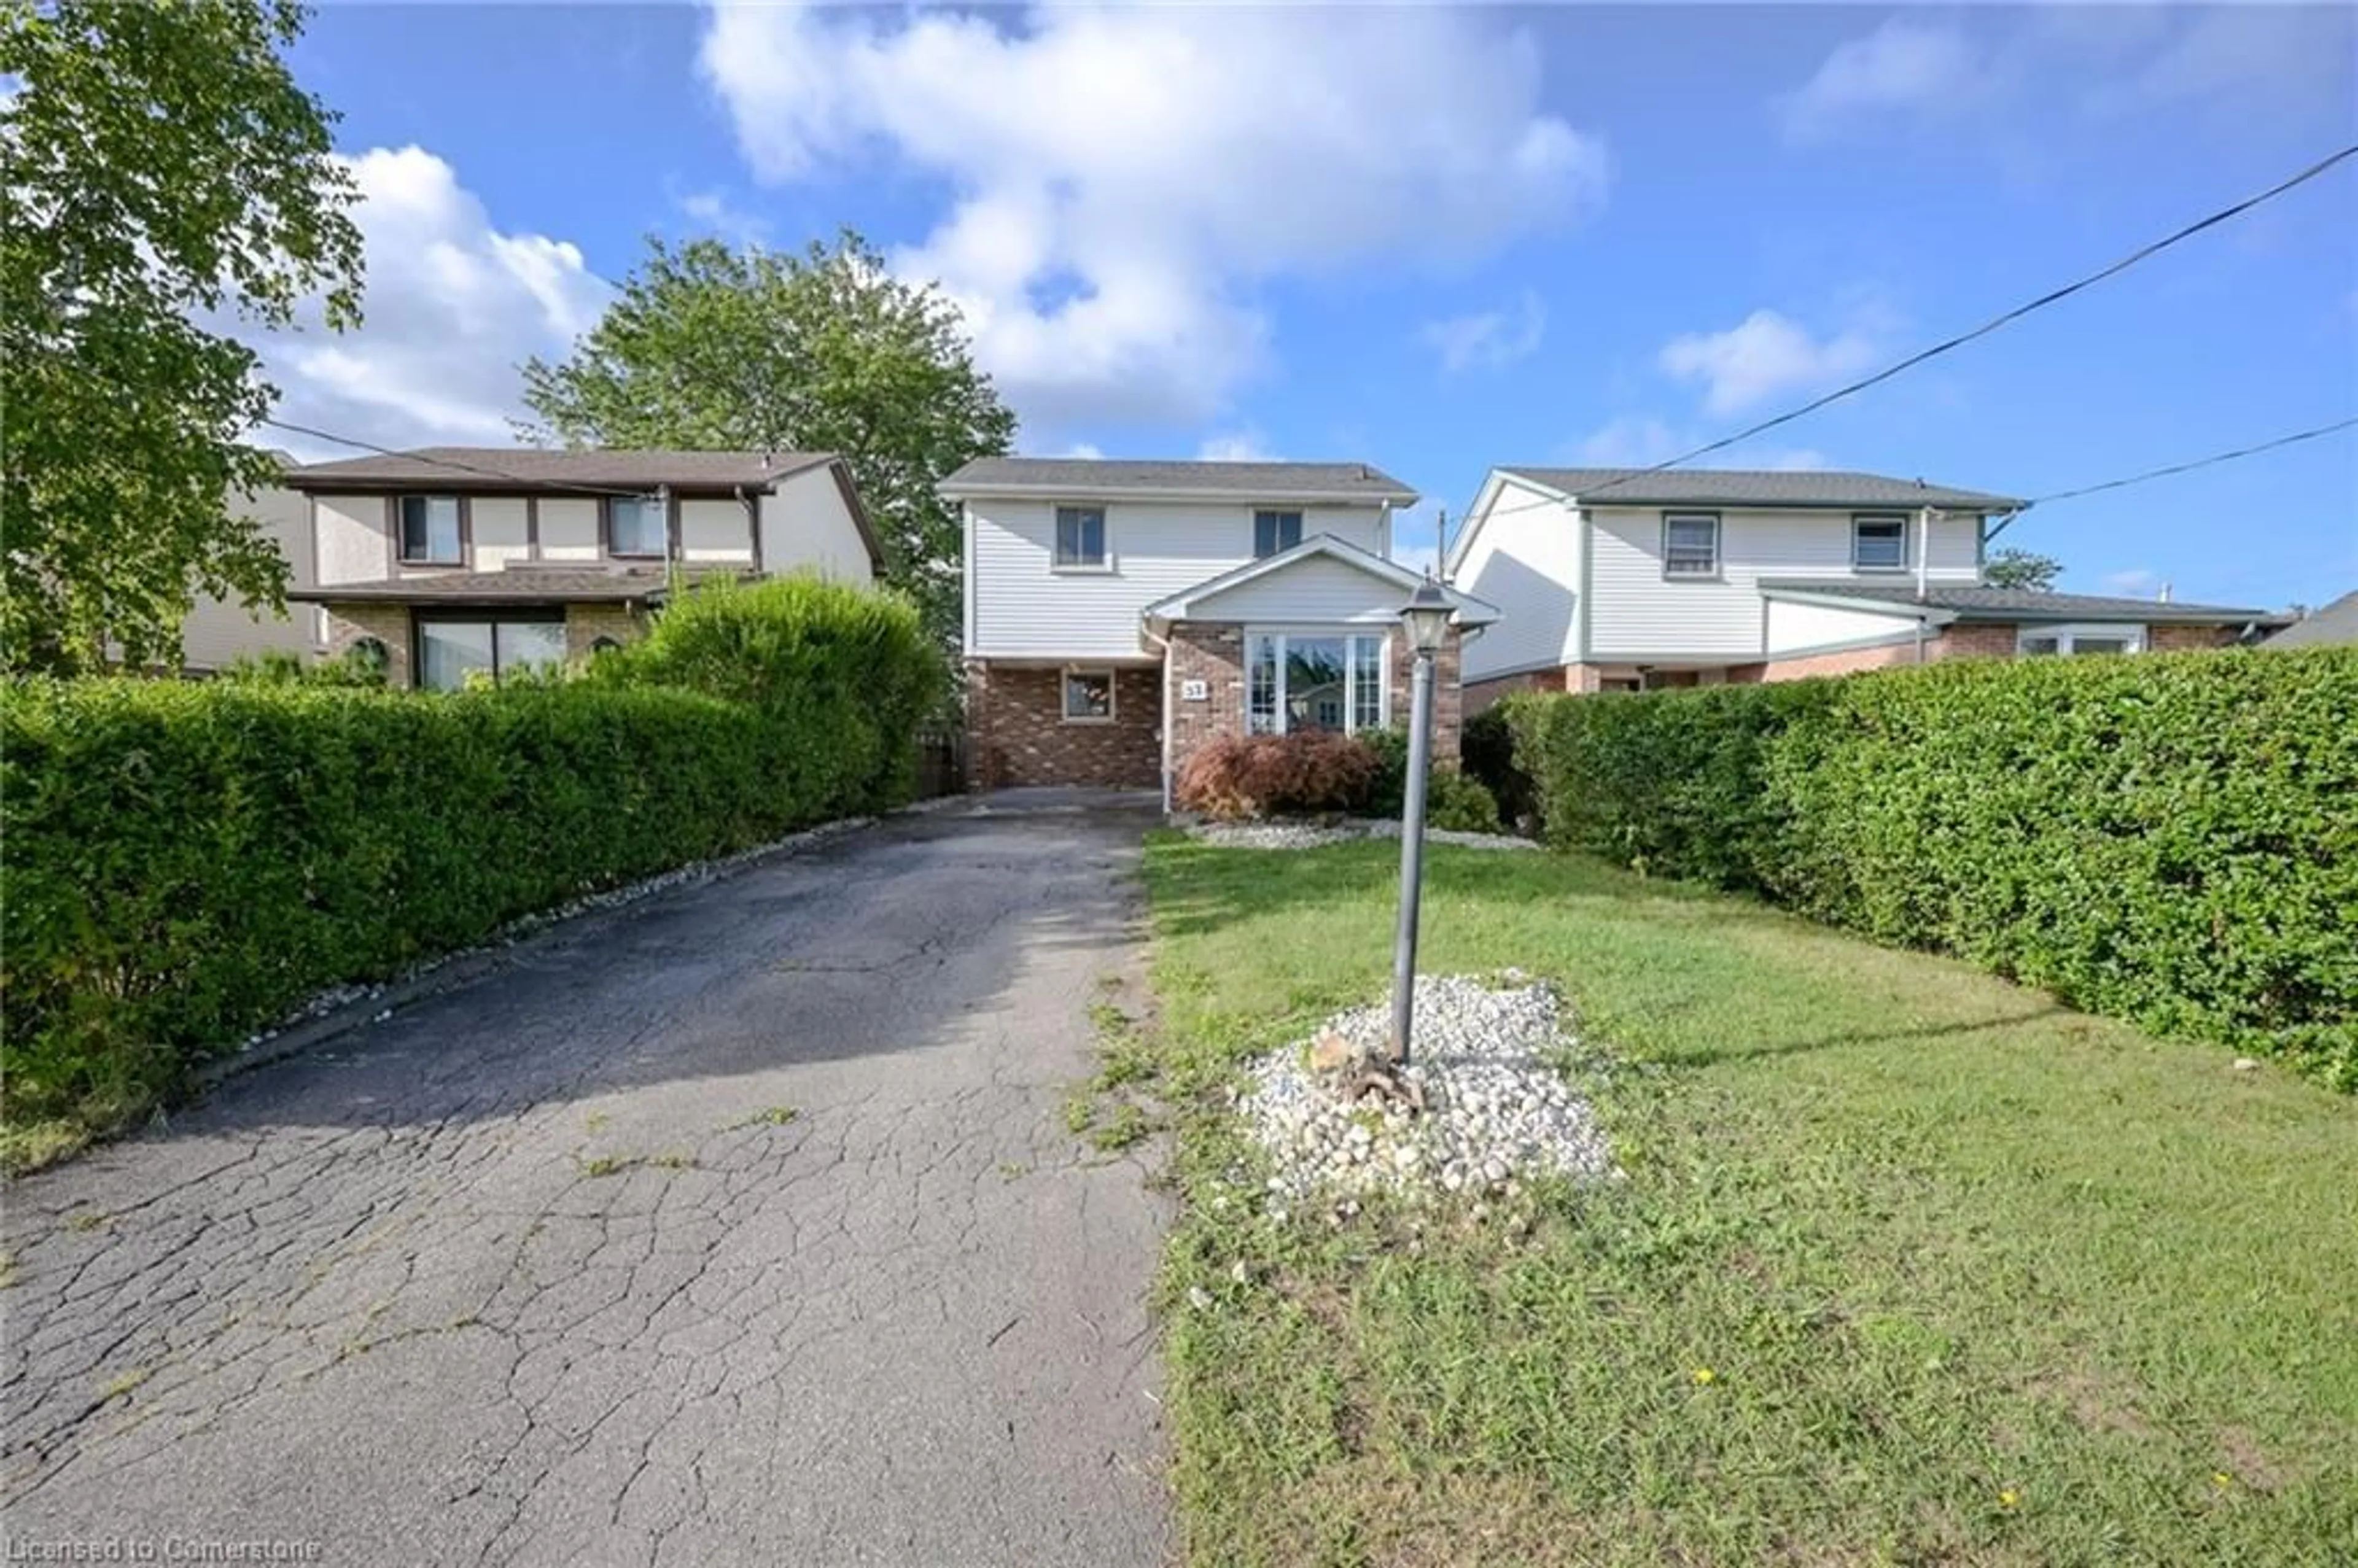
<point x="1312" y="835"/>
<point x="1496" y="1113"/>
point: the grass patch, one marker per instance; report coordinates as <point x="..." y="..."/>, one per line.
<point x="1911" y="1266"/>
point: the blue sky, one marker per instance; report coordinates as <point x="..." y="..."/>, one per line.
<point x="1438" y="238"/>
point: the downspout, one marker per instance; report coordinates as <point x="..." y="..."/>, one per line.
<point x="1163" y="643"/>
<point x="1923" y="555"/>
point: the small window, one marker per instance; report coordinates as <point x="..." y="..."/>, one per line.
<point x="2112" y="637"/>
<point x="1878" y="543"/>
<point x="1691" y="544"/>
<point x="430" y="531"/>
<point x="2041" y="647"/>
<point x="635" y="526"/>
<point x="1080" y="538"/>
<point x="1275" y="530"/>
<point x="1088" y="697"/>
<point x="2100" y="645"/>
<point x="603" y="645"/>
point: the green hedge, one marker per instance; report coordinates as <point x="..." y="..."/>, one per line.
<point x="2172" y="840"/>
<point x="185" y="862"/>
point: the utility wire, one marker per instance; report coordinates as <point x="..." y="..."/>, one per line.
<point x="2123" y="483"/>
<point x="448" y="462"/>
<point x="2052" y="296"/>
<point x="2004" y="319"/>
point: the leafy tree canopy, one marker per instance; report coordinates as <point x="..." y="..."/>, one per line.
<point x="2021" y="568"/>
<point x="756" y="350"/>
<point x="161" y="168"/>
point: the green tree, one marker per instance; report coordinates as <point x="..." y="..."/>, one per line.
<point x="756" y="350"/>
<point x="2021" y="568"/>
<point x="162" y="168"/>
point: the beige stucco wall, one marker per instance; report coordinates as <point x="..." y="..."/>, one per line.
<point x="349" y="534"/>
<point x="569" y="528"/>
<point x="500" y="531"/>
<point x="715" y="531"/>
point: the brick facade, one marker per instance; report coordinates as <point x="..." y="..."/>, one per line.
<point x="585" y="624"/>
<point x="388" y="624"/>
<point x="1017" y="732"/>
<point x="2187" y="639"/>
<point x="1214" y="654"/>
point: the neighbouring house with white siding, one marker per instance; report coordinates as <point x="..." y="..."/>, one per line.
<point x="1622" y="579"/>
<point x="447" y="562"/>
<point x="1119" y="614"/>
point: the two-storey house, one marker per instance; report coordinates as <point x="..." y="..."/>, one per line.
<point x="1119" y="614"/>
<point x="1621" y="579"/>
<point x="456" y="562"/>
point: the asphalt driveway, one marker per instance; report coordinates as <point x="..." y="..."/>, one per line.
<point x="740" y="1227"/>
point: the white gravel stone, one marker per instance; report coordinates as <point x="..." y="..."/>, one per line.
<point x="1312" y="835"/>
<point x="1495" y="1112"/>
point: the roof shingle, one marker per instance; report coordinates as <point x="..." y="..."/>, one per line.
<point x="538" y="468"/>
<point x="1974" y="601"/>
<point x="1246" y="481"/>
<point x="1756" y="487"/>
<point x="525" y="583"/>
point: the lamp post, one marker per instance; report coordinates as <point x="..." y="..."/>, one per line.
<point x="1425" y="618"/>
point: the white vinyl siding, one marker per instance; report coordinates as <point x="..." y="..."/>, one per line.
<point x="1021" y="608"/>
<point x="1635" y="612"/>
<point x="1793" y="627"/>
<point x="806" y="524"/>
<point x="1524" y="558"/>
<point x="1318" y="591"/>
<point x="569" y="528"/>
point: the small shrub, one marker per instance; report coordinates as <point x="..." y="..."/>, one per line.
<point x="1458" y="804"/>
<point x="1486" y="749"/>
<point x="1233" y="776"/>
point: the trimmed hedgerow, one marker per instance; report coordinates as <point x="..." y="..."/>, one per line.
<point x="2169" y="838"/>
<point x="185" y="862"/>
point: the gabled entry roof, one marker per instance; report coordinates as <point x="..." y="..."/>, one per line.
<point x="1195" y="603"/>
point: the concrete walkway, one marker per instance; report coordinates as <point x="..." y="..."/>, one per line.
<point x="740" y="1227"/>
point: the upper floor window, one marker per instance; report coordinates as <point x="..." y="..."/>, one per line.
<point x="1080" y="538"/>
<point x="1275" y="530"/>
<point x="1690" y="544"/>
<point x="430" y="531"/>
<point x="635" y="526"/>
<point x="1878" y="543"/>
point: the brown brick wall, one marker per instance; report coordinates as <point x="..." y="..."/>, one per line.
<point x="2184" y="639"/>
<point x="1214" y="654"/>
<point x="388" y="624"/>
<point x="1448" y="695"/>
<point x="1017" y="734"/>
<point x="1978" y="641"/>
<point x="585" y="624"/>
<point x="1841" y="662"/>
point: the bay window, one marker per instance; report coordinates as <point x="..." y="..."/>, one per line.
<point x="1297" y="681"/>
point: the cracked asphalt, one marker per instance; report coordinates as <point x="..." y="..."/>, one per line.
<point x="740" y="1226"/>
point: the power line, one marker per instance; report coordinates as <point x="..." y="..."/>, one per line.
<point x="2004" y="319"/>
<point x="2053" y="296"/>
<point x="447" y="462"/>
<point x="2214" y="458"/>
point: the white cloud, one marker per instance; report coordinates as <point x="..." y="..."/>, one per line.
<point x="1123" y="178"/>
<point x="1488" y="339"/>
<point x="1638" y="441"/>
<point x="1766" y="353"/>
<point x="1236" y="446"/>
<point x="1905" y="64"/>
<point x="1084" y="450"/>
<point x="716" y="213"/>
<point x="2135" y="582"/>
<point x="452" y="307"/>
<point x="2244" y="62"/>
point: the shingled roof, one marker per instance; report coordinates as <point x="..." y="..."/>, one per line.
<point x="539" y="467"/>
<point x="1970" y="601"/>
<point x="1102" y="477"/>
<point x="1757" y="487"/>
<point x="533" y="583"/>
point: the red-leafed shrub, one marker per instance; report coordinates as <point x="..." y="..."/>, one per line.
<point x="1273" y="776"/>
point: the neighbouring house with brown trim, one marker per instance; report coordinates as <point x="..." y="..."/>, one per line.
<point x="447" y="561"/>
<point x="1119" y="614"/>
<point x="218" y="632"/>
<point x="1624" y="579"/>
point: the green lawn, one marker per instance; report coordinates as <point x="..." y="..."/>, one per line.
<point x="1911" y="1266"/>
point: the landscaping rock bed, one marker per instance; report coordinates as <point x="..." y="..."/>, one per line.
<point x="1496" y="1111"/>
<point x="1312" y="835"/>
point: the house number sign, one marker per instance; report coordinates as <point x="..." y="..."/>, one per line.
<point x="1193" y="690"/>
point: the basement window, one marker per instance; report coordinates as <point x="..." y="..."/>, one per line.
<point x="1088" y="697"/>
